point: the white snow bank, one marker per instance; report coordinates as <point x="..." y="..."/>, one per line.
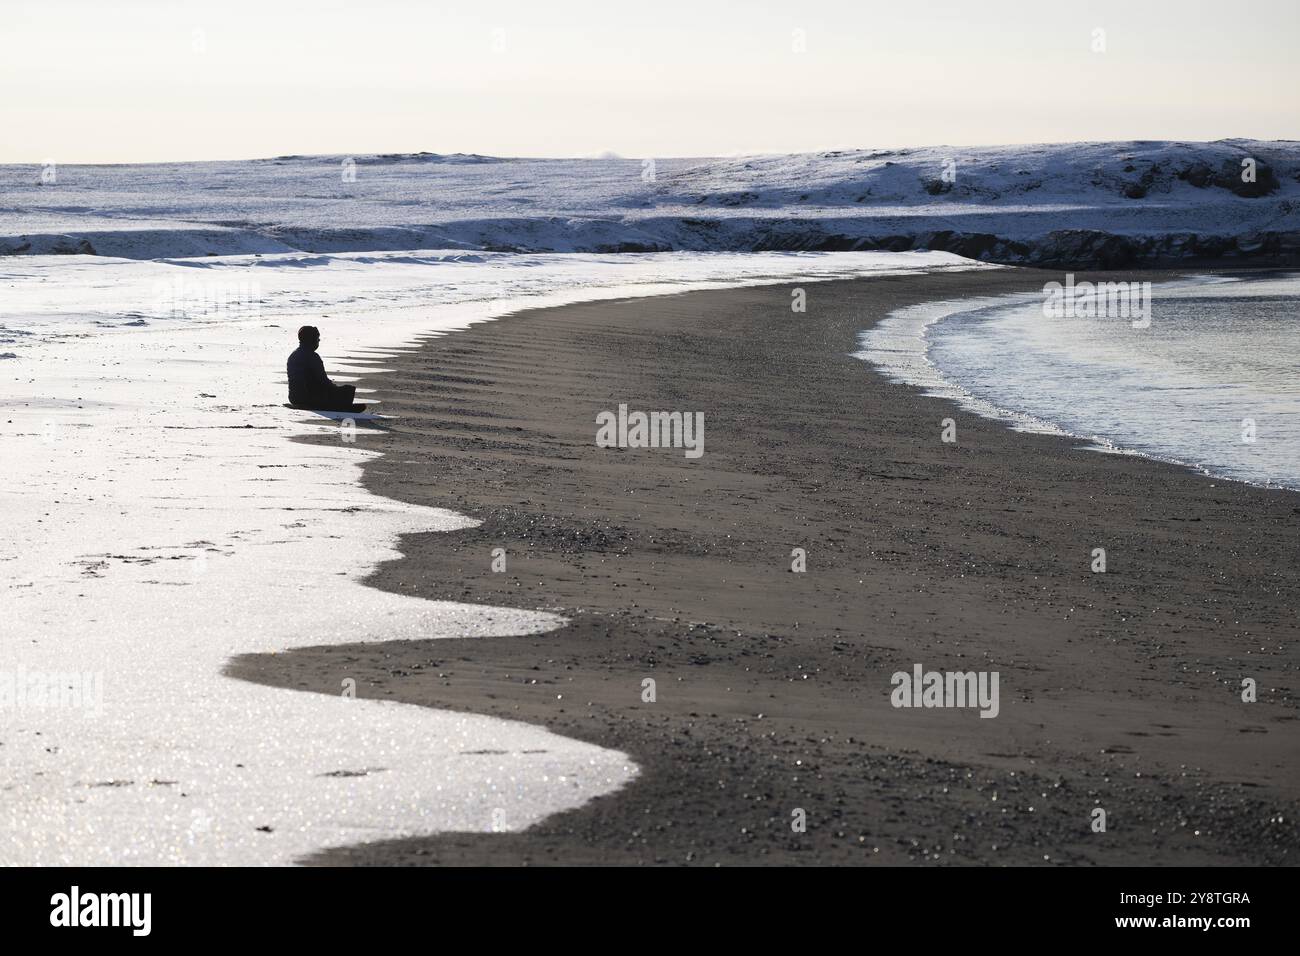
<point x="1167" y="194"/>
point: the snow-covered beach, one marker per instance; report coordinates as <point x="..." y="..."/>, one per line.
<point x="453" y="456"/>
<point x="159" y="520"/>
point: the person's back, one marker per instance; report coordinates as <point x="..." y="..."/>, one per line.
<point x="307" y="376"/>
<point x="309" y="386"/>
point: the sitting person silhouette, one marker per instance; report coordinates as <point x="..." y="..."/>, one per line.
<point x="309" y="386"/>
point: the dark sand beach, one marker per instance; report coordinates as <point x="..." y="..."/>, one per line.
<point x="1118" y="690"/>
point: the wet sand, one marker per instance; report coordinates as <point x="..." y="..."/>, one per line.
<point x="772" y="688"/>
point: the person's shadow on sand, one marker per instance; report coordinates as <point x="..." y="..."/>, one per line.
<point x="309" y="387"/>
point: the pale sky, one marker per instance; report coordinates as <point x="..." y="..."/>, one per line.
<point x="150" y="80"/>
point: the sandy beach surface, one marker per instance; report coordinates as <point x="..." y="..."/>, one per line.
<point x="1119" y="690"/>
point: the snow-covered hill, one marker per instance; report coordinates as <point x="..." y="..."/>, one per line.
<point x="1077" y="204"/>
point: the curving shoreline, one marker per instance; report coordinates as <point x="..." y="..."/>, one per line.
<point x="999" y="358"/>
<point x="1116" y="687"/>
<point x="150" y="519"/>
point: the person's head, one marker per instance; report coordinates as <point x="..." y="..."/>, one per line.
<point x="309" y="337"/>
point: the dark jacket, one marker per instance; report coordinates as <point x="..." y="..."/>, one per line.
<point x="309" y="386"/>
